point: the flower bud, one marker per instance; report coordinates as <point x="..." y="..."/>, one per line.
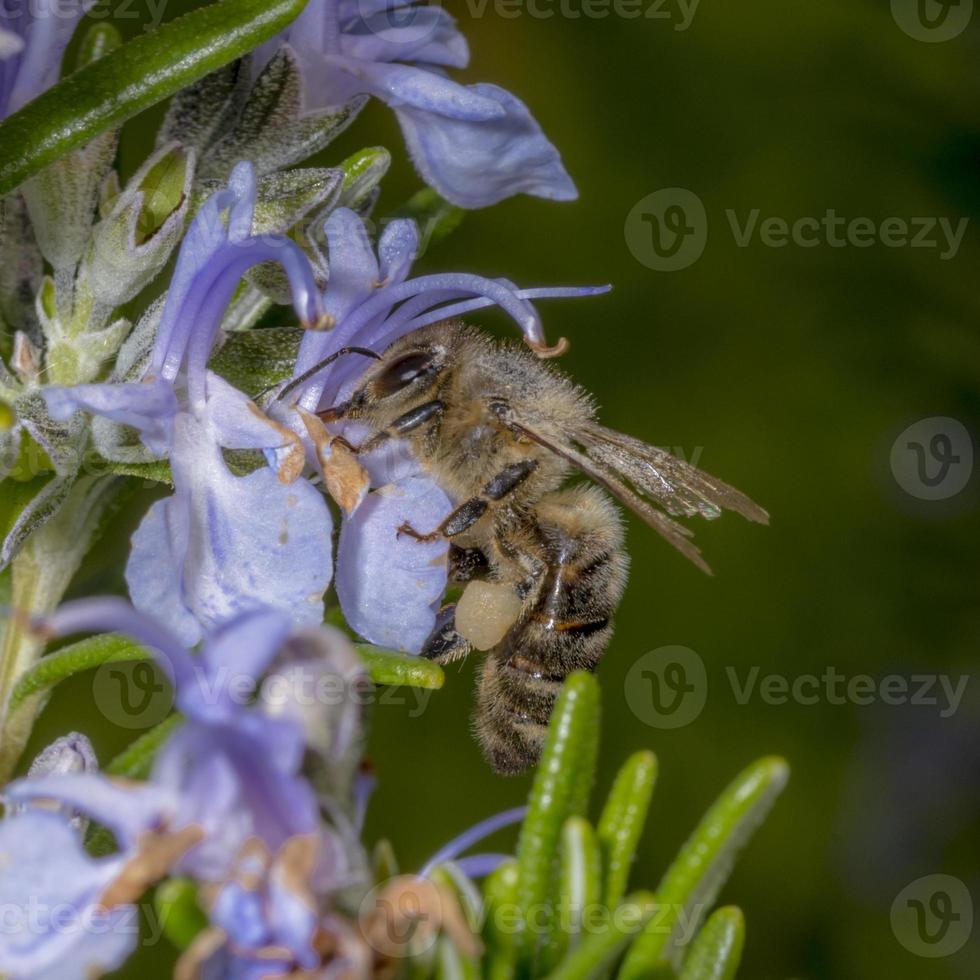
<point x="61" y="201"/>
<point x="68" y="754"/>
<point x="72" y="753"/>
<point x="133" y="243"/>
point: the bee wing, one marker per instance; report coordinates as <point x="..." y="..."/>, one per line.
<point x="680" y="488"/>
<point x="645" y="478"/>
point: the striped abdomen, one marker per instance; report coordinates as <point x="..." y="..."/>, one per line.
<point x="566" y="626"/>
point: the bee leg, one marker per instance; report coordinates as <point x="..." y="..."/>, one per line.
<point x="408" y="422"/>
<point x="468" y="513"/>
<point x="445" y="645"/>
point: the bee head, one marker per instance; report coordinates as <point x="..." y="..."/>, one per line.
<point x="406" y="372"/>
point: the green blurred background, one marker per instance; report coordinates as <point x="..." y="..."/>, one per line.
<point x="792" y="371"/>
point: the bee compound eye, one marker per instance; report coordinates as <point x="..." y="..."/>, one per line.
<point x="401" y="373"/>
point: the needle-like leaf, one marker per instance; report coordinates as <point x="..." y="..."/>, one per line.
<point x="400" y="670"/>
<point x="691" y="884"/>
<point x="622" y="821"/>
<point x="717" y="950"/>
<point x="144" y="71"/>
<point x="603" y="947"/>
<point x="560" y="790"/>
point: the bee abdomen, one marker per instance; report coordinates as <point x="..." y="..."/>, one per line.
<point x="567" y="627"/>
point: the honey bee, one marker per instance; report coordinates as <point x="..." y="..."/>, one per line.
<point x="501" y="431"/>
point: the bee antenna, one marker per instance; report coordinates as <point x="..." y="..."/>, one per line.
<point x="317" y="368"/>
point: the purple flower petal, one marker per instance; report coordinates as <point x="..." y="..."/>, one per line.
<point x="223" y="544"/>
<point x="354" y="271"/>
<point x="472" y="836"/>
<point x="424" y="35"/>
<point x="389" y="585"/>
<point x="238" y="423"/>
<point x="49" y="891"/>
<point x="149" y="406"/>
<point x="213" y="257"/>
<point x="476" y="164"/>
<point x="128" y="811"/>
<point x="247" y="643"/>
<point x="43" y="30"/>
<point x="398" y="249"/>
<point x="406" y="86"/>
<point x="235" y="782"/>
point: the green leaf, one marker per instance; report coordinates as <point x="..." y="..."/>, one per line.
<point x="450" y="877"/>
<point x="144" y="71"/>
<point x="162" y="189"/>
<point x="285" y="199"/>
<point x="273" y="131"/>
<point x="99" y="40"/>
<point x="622" y="821"/>
<point x="131" y="246"/>
<point x="256" y="360"/>
<point x="156" y="472"/>
<point x="400" y="670"/>
<point x="717" y="951"/>
<point x="692" y="882"/>
<point x="84" y="655"/>
<point x="136" y="760"/>
<point x="601" y="948"/>
<point x="560" y="790"/>
<point x="203" y="112"/>
<point x="500" y="908"/>
<point x="62" y="200"/>
<point x="21" y="271"/>
<point x="580" y="887"/>
<point x="180" y="914"/>
<point x="362" y="174"/>
<point x="453" y="964"/>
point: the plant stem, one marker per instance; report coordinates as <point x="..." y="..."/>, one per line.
<point x="31" y="590"/>
<point x="40" y="576"/>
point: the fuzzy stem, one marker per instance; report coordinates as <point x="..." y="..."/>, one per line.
<point x="40" y="576"/>
<point x="31" y="589"/>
